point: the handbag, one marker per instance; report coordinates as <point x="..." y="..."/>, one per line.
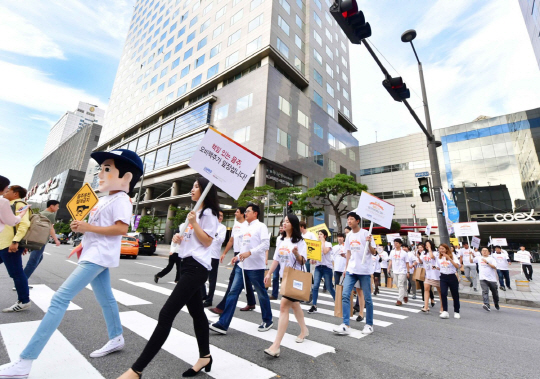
<point x="338" y="304"/>
<point x="296" y="284"/>
<point x="420" y="274"/>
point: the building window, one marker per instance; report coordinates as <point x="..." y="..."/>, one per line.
<point x="328" y="34"/>
<point x="241" y="135"/>
<point x="299" y="65"/>
<point x="283" y="138"/>
<point x="318" y="4"/>
<point x="329" y="89"/>
<point x="161" y="88"/>
<point x="222" y="112"/>
<point x="345" y="78"/>
<point x="202" y="43"/>
<point x="346" y="112"/>
<point x="342" y="148"/>
<point x="318" y="158"/>
<point x="329" y="70"/>
<point x="178" y="47"/>
<point x="231" y="59"/>
<point x="181" y="32"/>
<point x="212" y="71"/>
<point x="167" y="56"/>
<point x="191" y="37"/>
<point x="193" y="21"/>
<point x="188" y="53"/>
<point x="208" y="9"/>
<point x="284" y="49"/>
<point x="283" y="25"/>
<point x="181" y="90"/>
<point x="317" y="77"/>
<point x="244" y="102"/>
<point x="199" y="61"/>
<point x="169" y="98"/>
<point x="166" y="132"/>
<point x="170" y="41"/>
<point x="302" y="149"/>
<point x="345" y="94"/>
<point x="330" y="110"/>
<point x="253" y="45"/>
<point x="332" y="166"/>
<point x="298" y="41"/>
<point x="317" y="56"/>
<point x="218" y="30"/>
<point x="352" y="155"/>
<point x="196" y="81"/>
<point x="175" y="63"/>
<point x="215" y="50"/>
<point x="317" y="19"/>
<point x="255" y="4"/>
<point x="184" y="71"/>
<point x="253" y="24"/>
<point x="318" y="99"/>
<point x="164" y="72"/>
<point x="285" y="106"/>
<point x="329" y="52"/>
<point x="303" y="119"/>
<point x="300" y="23"/>
<point x="234" y="37"/>
<point x="221" y="12"/>
<point x="331" y="141"/>
<point x="237" y="17"/>
<point x="318" y="130"/>
<point x="285" y="6"/>
<point x="317" y="37"/>
<point x="153" y="80"/>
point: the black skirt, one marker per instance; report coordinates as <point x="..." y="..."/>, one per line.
<point x="291" y="299"/>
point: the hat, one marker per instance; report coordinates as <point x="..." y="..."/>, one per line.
<point x="123" y="155"/>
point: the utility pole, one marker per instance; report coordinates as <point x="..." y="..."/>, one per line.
<point x="466" y="202"/>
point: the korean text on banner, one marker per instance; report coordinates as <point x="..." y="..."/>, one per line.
<point x="454" y="241"/>
<point x="315" y="229"/>
<point x="475" y="242"/>
<point x="378" y="240"/>
<point x="499" y="242"/>
<point x="314" y="250"/>
<point x="415" y="237"/>
<point x="391" y="237"/>
<point x="82" y="203"/>
<point x="466" y="229"/>
<point x="376" y="210"/>
<point x="224" y="162"/>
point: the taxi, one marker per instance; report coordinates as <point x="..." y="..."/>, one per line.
<point x="129" y="247"/>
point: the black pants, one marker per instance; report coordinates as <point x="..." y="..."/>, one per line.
<point x="187" y="292"/>
<point x="528" y="271"/>
<point x="385" y="272"/>
<point x="250" y="295"/>
<point x="431" y="296"/>
<point x="173" y="260"/>
<point x="449" y="281"/>
<point x="337" y="277"/>
<point x="212" y="279"/>
<point x="489" y="286"/>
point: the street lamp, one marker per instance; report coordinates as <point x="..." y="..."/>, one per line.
<point x="408" y="37"/>
<point x="414" y="214"/>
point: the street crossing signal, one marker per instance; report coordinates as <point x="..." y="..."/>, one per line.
<point x="289" y="207"/>
<point x="396" y="88"/>
<point x="425" y="193"/>
<point x="351" y="20"/>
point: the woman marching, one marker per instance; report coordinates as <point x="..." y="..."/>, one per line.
<point x="429" y="259"/>
<point x="448" y="264"/>
<point x="195" y="257"/>
<point x="291" y="251"/>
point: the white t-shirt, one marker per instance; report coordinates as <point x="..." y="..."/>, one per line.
<point x="529" y="254"/>
<point x="192" y="247"/>
<point x="384" y="256"/>
<point x="218" y="241"/>
<point x="256" y="240"/>
<point x="238" y="233"/>
<point x="98" y="248"/>
<point x="339" y="261"/>
<point x="285" y="256"/>
<point x="412" y="259"/>
<point x="399" y="258"/>
<point x="309" y="236"/>
<point x="465" y="253"/>
<point x="431" y="273"/>
<point x="376" y="262"/>
<point x="486" y="272"/>
<point x="446" y="266"/>
<point x="326" y="258"/>
<point x="501" y="259"/>
<point x="355" y="243"/>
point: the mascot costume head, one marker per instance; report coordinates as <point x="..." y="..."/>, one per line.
<point x="121" y="169"/>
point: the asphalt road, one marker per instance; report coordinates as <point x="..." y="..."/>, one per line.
<point x="410" y="344"/>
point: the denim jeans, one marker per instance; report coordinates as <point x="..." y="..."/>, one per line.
<point x="85" y="273"/>
<point x="504" y="274"/>
<point x="326" y="273"/>
<point x="13" y="262"/>
<point x="250" y="295"/>
<point x="35" y="259"/>
<point x="275" y="282"/>
<point x="348" y="285"/>
<point x="257" y="279"/>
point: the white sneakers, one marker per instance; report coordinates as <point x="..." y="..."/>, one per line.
<point x="19" y="369"/>
<point x="457" y="315"/>
<point x="113" y="345"/>
<point x="444" y="315"/>
<point x="368" y="329"/>
<point x="17" y="307"/>
<point x="342" y="330"/>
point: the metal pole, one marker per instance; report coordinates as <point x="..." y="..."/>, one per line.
<point x="197" y="206"/>
<point x="140" y="190"/>
<point x="466" y="202"/>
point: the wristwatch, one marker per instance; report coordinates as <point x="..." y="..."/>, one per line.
<point x="17" y="242"/>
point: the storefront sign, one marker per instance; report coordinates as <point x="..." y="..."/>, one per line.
<point x="279" y="177"/>
<point x="507" y="217"/>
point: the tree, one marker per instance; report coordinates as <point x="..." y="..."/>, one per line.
<point x="278" y="197"/>
<point x="146" y="223"/>
<point x="179" y="217"/>
<point x="62" y="228"/>
<point x="395" y="227"/>
<point x="330" y="192"/>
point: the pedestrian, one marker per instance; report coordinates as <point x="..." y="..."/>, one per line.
<point x="420" y="252"/>
<point x="99" y="251"/>
<point x="526" y="266"/>
<point x="6" y="213"/>
<point x="384" y="264"/>
<point x="10" y="252"/>
<point x="433" y="275"/>
<point x="411" y="284"/>
<point x="291" y="251"/>
<point x="359" y="267"/>
<point x="399" y="265"/>
<point x="503" y="271"/>
<point x="307" y="235"/>
<point x="255" y="242"/>
<point x="377" y="259"/>
<point x="449" y="265"/>
<point x="322" y="269"/>
<point x="275" y="278"/>
<point x="195" y="263"/>
<point x="238" y="231"/>
<point x="470" y="268"/>
<point x="340" y="258"/>
<point x="488" y="278"/>
<point x="173" y="260"/>
<point x="216" y="254"/>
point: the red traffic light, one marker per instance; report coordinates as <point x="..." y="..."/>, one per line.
<point x="349" y="8"/>
<point x="289" y="204"/>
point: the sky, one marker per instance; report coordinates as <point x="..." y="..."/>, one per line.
<point x="476" y="54"/>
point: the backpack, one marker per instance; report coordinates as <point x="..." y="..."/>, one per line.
<point x="38" y="232"/>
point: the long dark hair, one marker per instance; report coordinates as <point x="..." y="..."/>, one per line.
<point x="4" y="182"/>
<point x="432" y="245"/>
<point x="211" y="200"/>
<point x="296" y="233"/>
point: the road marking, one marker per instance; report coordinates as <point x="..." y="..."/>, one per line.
<point x="146" y="264"/>
<point x="75" y="263"/>
<point x="125" y="298"/>
<point x="183" y="346"/>
<point x="420" y="302"/>
<point x="375" y="312"/>
<point x="42" y="295"/>
<point x="46" y="253"/>
<point x="59" y="359"/>
<point x="502" y="306"/>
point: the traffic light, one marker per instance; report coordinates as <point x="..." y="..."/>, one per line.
<point x="425" y="193"/>
<point x="351" y="20"/>
<point x="396" y="88"/>
<point x="289" y="207"/>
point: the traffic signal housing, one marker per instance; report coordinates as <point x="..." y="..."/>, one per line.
<point x="396" y="88"/>
<point x="351" y="20"/>
<point x="289" y="207"/>
<point x="425" y="192"/>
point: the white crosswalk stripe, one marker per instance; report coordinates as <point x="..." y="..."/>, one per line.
<point x="125" y="298"/>
<point x="41" y="295"/>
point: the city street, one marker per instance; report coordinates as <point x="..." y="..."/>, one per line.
<point x="406" y="343"/>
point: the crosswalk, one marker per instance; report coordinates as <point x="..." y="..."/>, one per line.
<point x="227" y="364"/>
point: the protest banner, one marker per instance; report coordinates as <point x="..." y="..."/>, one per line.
<point x="391" y="237"/>
<point x="428" y="230"/>
<point x="475" y="242"/>
<point x="315" y="229"/>
<point x="314" y="250"/>
<point x="521" y="257"/>
<point x="82" y="203"/>
<point x="466" y="229"/>
<point x="377" y="239"/>
<point x="499" y="242"/>
<point x="454" y="241"/>
<point x="415" y="237"/>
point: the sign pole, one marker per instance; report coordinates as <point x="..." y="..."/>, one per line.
<point x="468" y="242"/>
<point x="367" y="243"/>
<point x="198" y="205"/>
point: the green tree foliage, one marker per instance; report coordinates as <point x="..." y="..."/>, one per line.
<point x="278" y="197"/>
<point x="395" y="227"/>
<point x="179" y="217"/>
<point x="62" y="228"/>
<point x="147" y="223"/>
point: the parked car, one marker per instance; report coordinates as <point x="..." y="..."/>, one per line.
<point x="147" y="243"/>
<point x="129" y="247"/>
<point x="77" y="241"/>
<point x="62" y="238"/>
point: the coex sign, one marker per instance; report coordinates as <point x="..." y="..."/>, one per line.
<point x="500" y="217"/>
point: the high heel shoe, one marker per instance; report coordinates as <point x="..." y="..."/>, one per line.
<point x="300" y="340"/>
<point x="273" y="354"/>
<point x="189" y="373"/>
<point x="425" y="310"/>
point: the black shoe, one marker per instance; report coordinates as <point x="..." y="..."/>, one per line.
<point x="510" y="288"/>
<point x="207" y="303"/>
<point x="486" y="307"/>
<point x="497" y="307"/>
<point x="189" y="373"/>
<point x="503" y="288"/>
<point x="359" y="318"/>
<point x="313" y="309"/>
<point x="156" y="278"/>
<point x="356" y="308"/>
<point x="470" y="285"/>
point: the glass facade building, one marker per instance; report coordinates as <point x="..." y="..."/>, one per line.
<point x="531" y="14"/>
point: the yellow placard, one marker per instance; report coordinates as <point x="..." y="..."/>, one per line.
<point x="454" y="241"/>
<point x="82" y="203"/>
<point x="377" y="239"/>
<point x="315" y="229"/>
<point x="314" y="250"/>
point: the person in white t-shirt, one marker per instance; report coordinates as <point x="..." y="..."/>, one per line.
<point x="321" y="270"/>
<point x="216" y="254"/>
<point x="526" y="266"/>
<point x="385" y="255"/>
<point x="413" y="262"/>
<point x="377" y="258"/>
<point x="503" y="271"/>
<point x="469" y="268"/>
<point x="400" y="267"/>
<point x="98" y="252"/>
<point x="448" y="263"/>
<point x="433" y="274"/>
<point x="488" y="278"/>
<point x="340" y="258"/>
<point x="291" y="251"/>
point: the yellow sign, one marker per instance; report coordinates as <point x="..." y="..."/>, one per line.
<point x="454" y="241"/>
<point x="314" y="250"/>
<point x="377" y="239"/>
<point x="315" y="229"/>
<point x="82" y="203"/>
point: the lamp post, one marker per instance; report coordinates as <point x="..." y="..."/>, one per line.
<point x="432" y="145"/>
<point x="413" y="206"/>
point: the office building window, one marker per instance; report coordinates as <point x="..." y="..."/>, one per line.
<point x="332" y="166"/>
<point x="234" y="37"/>
<point x="284" y="49"/>
<point x="244" y="102"/>
<point x="318" y="4"/>
<point x="164" y="72"/>
<point x="317" y="37"/>
<point x="318" y="158"/>
<point x="222" y="112"/>
<point x="255" y="3"/>
<point x="283" y="25"/>
<point x="329" y="70"/>
<point x="300" y="23"/>
<point x="298" y="41"/>
<point x="329" y="52"/>
<point x="318" y="130"/>
<point x="303" y="119"/>
<point x="253" y="24"/>
<point x="285" y="106"/>
<point x="352" y="155"/>
<point x="218" y="30"/>
<point x="205" y="25"/>
<point x="178" y="47"/>
<point x="191" y="37"/>
<point x="212" y="71"/>
<point x="317" y="19"/>
<point x="299" y="65"/>
<point x="346" y="112"/>
<point x="196" y="81"/>
<point x="175" y="63"/>
<point x="318" y="77"/>
<point x="331" y="141"/>
<point x="302" y="149"/>
<point x="202" y="43"/>
<point x="283" y="138"/>
<point x="188" y="53"/>
<point x="221" y="12"/>
<point x="169" y="98"/>
<point x="231" y="59"/>
<point x="161" y="88"/>
<point x="199" y="61"/>
<point x="184" y="71"/>
<point x="330" y="110"/>
<point x="345" y="94"/>
<point x="181" y="90"/>
<point x="329" y="89"/>
<point x="237" y="17"/>
<point x="318" y="99"/>
<point x="328" y="34"/>
<point x="181" y="32"/>
<point x="193" y="21"/>
<point x="317" y="56"/>
<point x="241" y="135"/>
<point x="167" y="56"/>
<point x="215" y="50"/>
<point x="285" y="6"/>
<point x="208" y="9"/>
<point x="253" y="45"/>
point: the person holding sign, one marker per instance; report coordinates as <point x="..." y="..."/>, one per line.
<point x="502" y="259"/>
<point x="322" y="269"/>
<point x="340" y="257"/>
<point x="99" y="251"/>
<point x="358" y="247"/>
<point x="399" y="265"/>
<point x="526" y="262"/>
<point x="291" y="251"/>
<point x="488" y="278"/>
<point x="449" y="264"/>
<point x="470" y="268"/>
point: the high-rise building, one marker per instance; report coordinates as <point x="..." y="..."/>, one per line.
<point x="531" y="14"/>
<point x="71" y="122"/>
<point x="273" y="75"/>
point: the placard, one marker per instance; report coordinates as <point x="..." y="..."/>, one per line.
<point x="314" y="250"/>
<point x="82" y="203"/>
<point x="464" y="229"/>
<point x="224" y="162"/>
<point x="391" y="237"/>
<point x="428" y="230"/>
<point x="377" y="239"/>
<point x="415" y="236"/>
<point x="521" y="257"/>
<point x="499" y="242"/>
<point x="475" y="242"/>
<point x="315" y="229"/>
<point x="374" y="209"/>
<point x="454" y="241"/>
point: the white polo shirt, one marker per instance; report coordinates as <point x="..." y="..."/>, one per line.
<point x="399" y="258"/>
<point x="256" y="240"/>
<point x="355" y="243"/>
<point x="218" y="241"/>
<point x="446" y="266"/>
<point x="238" y="234"/>
<point x="285" y="256"/>
<point x="192" y="247"/>
<point x="339" y="261"/>
<point x="485" y="271"/>
<point x="465" y="253"/>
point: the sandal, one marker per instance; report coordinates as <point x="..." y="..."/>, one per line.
<point x="425" y="309"/>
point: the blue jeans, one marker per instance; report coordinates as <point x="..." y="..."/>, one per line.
<point x="504" y="274"/>
<point x="275" y="282"/>
<point x="13" y="262"/>
<point x="326" y="273"/>
<point x="257" y="279"/>
<point x="348" y="286"/>
<point x="85" y="273"/>
<point x="35" y="259"/>
<point x="249" y="290"/>
<point x="308" y="265"/>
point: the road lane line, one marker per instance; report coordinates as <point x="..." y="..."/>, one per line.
<point x="125" y="298"/>
<point x="46" y="253"/>
<point x="75" y="263"/>
<point x="146" y="264"/>
<point x="42" y="295"/>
